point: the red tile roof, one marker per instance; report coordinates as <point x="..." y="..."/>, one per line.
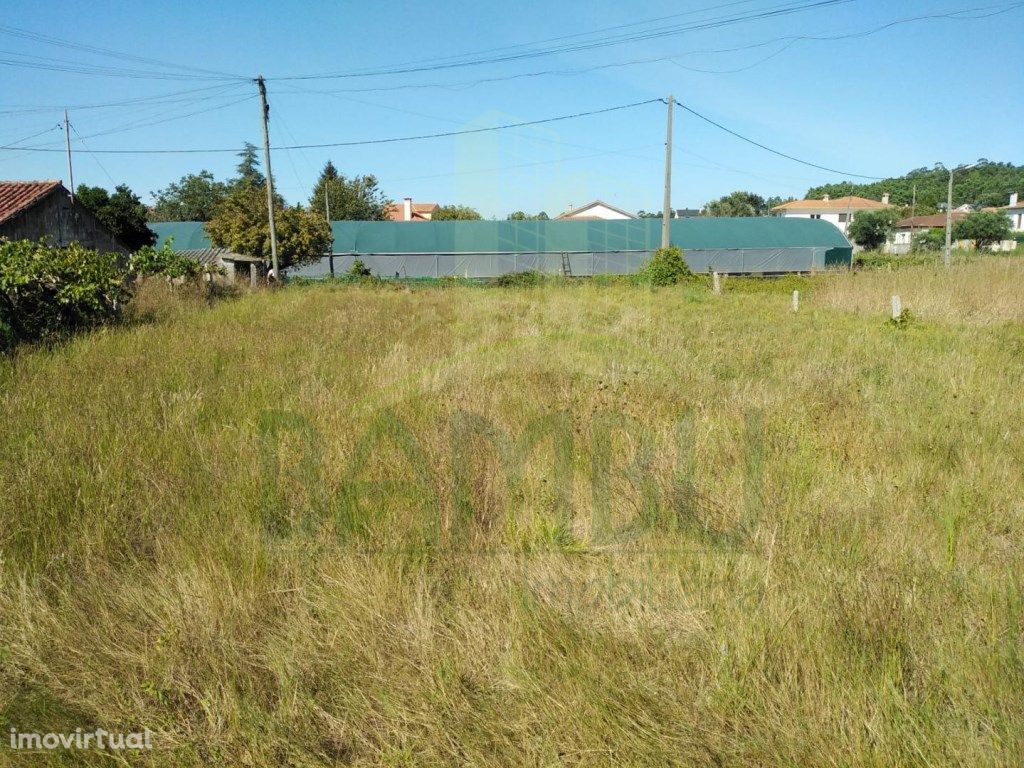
<point x="396" y="211"/>
<point x="935" y="220"/>
<point x="850" y="202"/>
<point x="16" y="196"/>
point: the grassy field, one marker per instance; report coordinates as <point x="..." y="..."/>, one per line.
<point x="572" y="524"/>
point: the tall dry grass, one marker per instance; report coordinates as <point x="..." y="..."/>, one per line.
<point x="562" y="525"/>
<point x="988" y="290"/>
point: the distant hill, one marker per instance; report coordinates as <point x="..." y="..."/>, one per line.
<point x="987" y="184"/>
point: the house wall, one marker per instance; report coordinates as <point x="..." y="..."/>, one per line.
<point x="1016" y="216"/>
<point x="837" y="219"/>
<point x="56" y="219"/>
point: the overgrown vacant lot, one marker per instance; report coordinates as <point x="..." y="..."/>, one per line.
<point x="572" y="524"/>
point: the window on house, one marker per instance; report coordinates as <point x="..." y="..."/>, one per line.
<point x="815" y="215"/>
<point x="842" y="218"/>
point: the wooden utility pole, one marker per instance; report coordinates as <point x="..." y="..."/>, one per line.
<point x="265" y="114"/>
<point x="666" y="213"/>
<point x="67" y="140"/>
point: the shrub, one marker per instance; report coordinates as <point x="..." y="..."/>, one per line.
<point x="666" y="267"/>
<point x="359" y="269"/>
<point x="48" y="292"/>
<point x="149" y="261"/>
<point x="520" y="279"/>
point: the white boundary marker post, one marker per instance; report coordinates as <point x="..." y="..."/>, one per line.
<point x="897" y="308"/>
<point x="716" y="283"/>
<point x="796" y="301"/>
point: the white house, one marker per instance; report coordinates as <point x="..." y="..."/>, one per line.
<point x="1015" y="211"/>
<point x="839" y="212"/>
<point x="903" y="232"/>
<point x="596" y="211"/>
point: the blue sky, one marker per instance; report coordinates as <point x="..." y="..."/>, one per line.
<point x="880" y="105"/>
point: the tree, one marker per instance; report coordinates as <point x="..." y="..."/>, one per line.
<point x="193" y="198"/>
<point x="983" y="227"/>
<point x="248" y="168"/>
<point x="737" y="204"/>
<point x="122" y="213"/>
<point x="355" y="199"/>
<point x="870" y="229"/>
<point x="520" y="216"/>
<point x="456" y="213"/>
<point x="240" y="223"/>
<point x="986" y="184"/>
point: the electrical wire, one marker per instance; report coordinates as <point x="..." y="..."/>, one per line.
<point x="740" y="136"/>
<point x="6" y="29"/>
<point x="366" y="141"/>
<point x="982" y="12"/>
<point x="591" y="45"/>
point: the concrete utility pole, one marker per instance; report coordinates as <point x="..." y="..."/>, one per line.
<point x="67" y="140"/>
<point x="265" y="114"/>
<point x="666" y="213"/>
<point x="947" y="258"/>
<point x="330" y="243"/>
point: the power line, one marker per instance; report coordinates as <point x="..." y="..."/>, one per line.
<point x="26" y="34"/>
<point x="367" y="141"/>
<point x="163" y="98"/>
<point x="590" y="45"/>
<point x="11" y="145"/>
<point x="788" y="40"/>
<point x="695" y="113"/>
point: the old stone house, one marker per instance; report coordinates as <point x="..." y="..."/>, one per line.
<point x="32" y="210"/>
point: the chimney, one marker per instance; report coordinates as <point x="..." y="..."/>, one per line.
<point x="1013" y="198"/>
<point x="407" y="209"/>
<point x="885" y="198"/>
<point x="824" y="198"/>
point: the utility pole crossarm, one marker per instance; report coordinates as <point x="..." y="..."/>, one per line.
<point x="265" y="115"/>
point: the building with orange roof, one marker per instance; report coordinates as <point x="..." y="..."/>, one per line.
<point x="407" y="210"/>
<point x="838" y="212"/>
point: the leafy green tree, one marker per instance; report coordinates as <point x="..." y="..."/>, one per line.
<point x="983" y="227"/>
<point x="654" y="214"/>
<point x="122" y="213"/>
<point x="356" y="199"/>
<point x="240" y="223"/>
<point x="986" y="184"/>
<point x="521" y="216"/>
<point x="193" y="198"/>
<point x="248" y="168"/>
<point x="456" y="213"/>
<point x="737" y="203"/>
<point x="929" y="240"/>
<point x="870" y="229"/>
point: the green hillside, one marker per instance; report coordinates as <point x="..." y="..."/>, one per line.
<point x="987" y="184"/>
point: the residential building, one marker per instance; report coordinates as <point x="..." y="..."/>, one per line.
<point x="1015" y="212"/>
<point x="903" y="231"/>
<point x="407" y="210"/>
<point x="839" y="212"/>
<point x="596" y="211"/>
<point x="34" y="210"/>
